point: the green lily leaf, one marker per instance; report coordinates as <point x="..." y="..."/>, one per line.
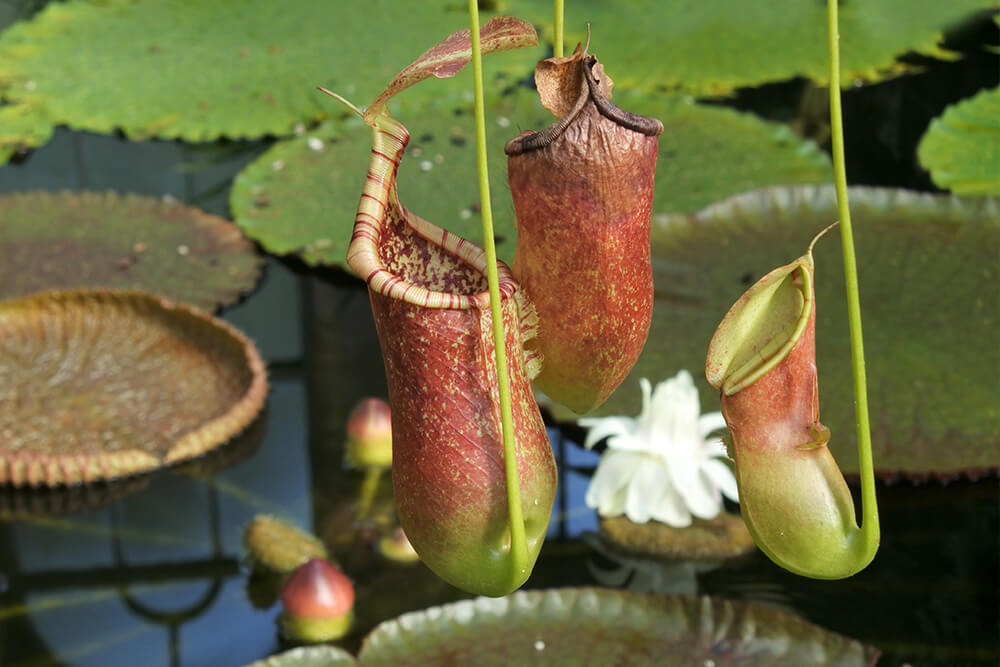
<point x="22" y="127"/>
<point x="200" y="70"/>
<point x="961" y="148"/>
<point x="101" y="239"/>
<point x="927" y="270"/>
<point x="596" y="626"/>
<point x="308" y="656"/>
<point x="300" y="196"/>
<point x="714" y="47"/>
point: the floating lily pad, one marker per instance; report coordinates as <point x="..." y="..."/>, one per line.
<point x="961" y="148"/>
<point x="301" y="196"/>
<point x="102" y="384"/>
<point x="199" y="70"/>
<point x="308" y="656"/>
<point x="21" y="128"/>
<point x="101" y="239"/>
<point x="606" y="627"/>
<point x="928" y="276"/>
<point x="714" y="47"/>
<point x="724" y="536"/>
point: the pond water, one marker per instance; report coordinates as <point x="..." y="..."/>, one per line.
<point x="151" y="571"/>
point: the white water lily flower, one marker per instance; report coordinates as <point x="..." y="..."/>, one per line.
<point x="661" y="465"/>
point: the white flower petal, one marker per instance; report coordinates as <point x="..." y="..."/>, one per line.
<point x="722" y="476"/>
<point x="644" y="491"/>
<point x="671" y="510"/>
<point x="700" y="494"/>
<point x="602" y="427"/>
<point x="710" y="422"/>
<point x="608" y="487"/>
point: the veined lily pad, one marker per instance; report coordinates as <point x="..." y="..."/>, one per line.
<point x="722" y="537"/>
<point x="928" y="276"/>
<point x="604" y="627"/>
<point x="714" y="47"/>
<point x="101" y="239"/>
<point x="300" y="197"/>
<point x="961" y="148"/>
<point x="103" y="384"/>
<point x="308" y="656"/>
<point x="199" y="70"/>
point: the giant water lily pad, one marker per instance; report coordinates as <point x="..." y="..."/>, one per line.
<point x="961" y="148"/>
<point x="101" y="239"/>
<point x="199" y="70"/>
<point x="714" y="47"/>
<point x="99" y="385"/>
<point x="606" y="627"/>
<point x="308" y="656"/>
<point x="21" y="128"/>
<point x="928" y="275"/>
<point x="301" y="196"/>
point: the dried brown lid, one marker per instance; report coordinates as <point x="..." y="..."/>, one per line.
<point x="99" y="384"/>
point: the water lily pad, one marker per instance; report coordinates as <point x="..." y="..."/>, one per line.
<point x="928" y="275"/>
<point x="308" y="656"/>
<point x="101" y="239"/>
<point x="714" y="47"/>
<point x="961" y="148"/>
<point x="606" y="627"/>
<point x="103" y="384"/>
<point x="199" y="70"/>
<point x="21" y="128"/>
<point x="722" y="537"/>
<point x="300" y="196"/>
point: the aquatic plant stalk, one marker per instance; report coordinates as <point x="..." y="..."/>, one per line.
<point x="869" y="505"/>
<point x="557" y="25"/>
<point x="518" y="543"/>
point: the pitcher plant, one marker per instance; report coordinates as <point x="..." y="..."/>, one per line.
<point x="762" y="359"/>
<point x="583" y="193"/>
<point x="429" y="297"/>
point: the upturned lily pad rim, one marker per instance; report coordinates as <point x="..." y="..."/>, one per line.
<point x="39" y="469"/>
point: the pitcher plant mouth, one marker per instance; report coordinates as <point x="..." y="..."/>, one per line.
<point x="583" y="191"/>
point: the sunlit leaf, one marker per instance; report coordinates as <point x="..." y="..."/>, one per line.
<point x="961" y="148"/>
<point x="606" y="627"/>
<point x="300" y="197"/>
<point x="199" y="70"/>
<point x="928" y="276"/>
<point x="90" y="239"/>
<point x="102" y="384"/>
<point x="714" y="47"/>
<point x="21" y="128"/>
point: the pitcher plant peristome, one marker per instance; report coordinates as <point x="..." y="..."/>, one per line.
<point x="429" y="295"/>
<point x="583" y="193"/>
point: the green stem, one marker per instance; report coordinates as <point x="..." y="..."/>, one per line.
<point x="518" y="541"/>
<point x="557" y="38"/>
<point x="869" y="507"/>
<point x="369" y="485"/>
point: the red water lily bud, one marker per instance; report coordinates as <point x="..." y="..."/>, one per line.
<point x="583" y="193"/>
<point x="369" y="434"/>
<point x="318" y="600"/>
